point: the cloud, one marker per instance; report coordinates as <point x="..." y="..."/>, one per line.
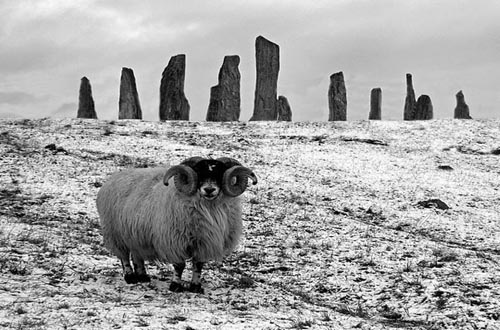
<point x="446" y="45"/>
<point x="18" y="98"/>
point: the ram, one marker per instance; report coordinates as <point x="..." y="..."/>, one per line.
<point x="146" y="217"/>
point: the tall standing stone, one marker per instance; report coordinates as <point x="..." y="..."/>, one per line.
<point x="266" y="85"/>
<point x="462" y="109"/>
<point x="173" y="103"/>
<point x="375" y="104"/>
<point x="410" y="101"/>
<point x="86" y="108"/>
<point x="284" y="110"/>
<point x="337" y="98"/>
<point x="424" y="108"/>
<point x="129" y="106"/>
<point x="225" y="98"/>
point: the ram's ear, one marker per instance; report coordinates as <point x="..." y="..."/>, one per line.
<point x="229" y="162"/>
<point x="192" y="161"/>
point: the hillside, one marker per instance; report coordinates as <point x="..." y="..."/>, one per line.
<point x="338" y="233"/>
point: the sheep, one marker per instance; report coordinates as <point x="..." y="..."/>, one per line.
<point x="145" y="217"/>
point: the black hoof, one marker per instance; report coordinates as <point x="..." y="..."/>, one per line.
<point x="196" y="288"/>
<point x="143" y="278"/>
<point x="176" y="287"/>
<point x="131" y="278"/>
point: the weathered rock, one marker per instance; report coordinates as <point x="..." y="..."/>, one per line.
<point x="434" y="203"/>
<point x="445" y="167"/>
<point x="129" y="106"/>
<point x="86" y="108"/>
<point x="410" y="101"/>
<point x="214" y="104"/>
<point x="424" y="108"/>
<point x="375" y="104"/>
<point x="173" y="103"/>
<point x="284" y="110"/>
<point x="266" y="85"/>
<point x="462" y="109"/>
<point x="337" y="98"/>
<point x="225" y="98"/>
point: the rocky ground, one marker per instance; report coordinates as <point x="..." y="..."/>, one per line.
<point x="353" y="225"/>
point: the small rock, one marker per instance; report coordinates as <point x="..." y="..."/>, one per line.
<point x="434" y="203"/>
<point x="391" y="315"/>
<point x="97" y="184"/>
<point x="51" y="146"/>
<point x="55" y="149"/>
<point x="62" y="150"/>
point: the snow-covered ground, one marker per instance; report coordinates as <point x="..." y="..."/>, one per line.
<point x="334" y="234"/>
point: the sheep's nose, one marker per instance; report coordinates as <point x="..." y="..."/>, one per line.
<point x="209" y="190"/>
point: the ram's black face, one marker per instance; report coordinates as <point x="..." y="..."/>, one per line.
<point x="210" y="173"/>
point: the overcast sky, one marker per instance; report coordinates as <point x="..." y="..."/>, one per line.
<point x="448" y="45"/>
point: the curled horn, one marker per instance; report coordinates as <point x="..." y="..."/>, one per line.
<point x="185" y="178"/>
<point x="235" y="179"/>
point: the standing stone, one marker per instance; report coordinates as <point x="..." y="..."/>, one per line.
<point x="173" y="102"/>
<point x="225" y="98"/>
<point x="337" y="98"/>
<point x="129" y="106"/>
<point x="284" y="110"/>
<point x="86" y="107"/>
<point x="266" y="85"/>
<point x="462" y="109"/>
<point x="375" y="104"/>
<point x="410" y="101"/>
<point x="215" y="104"/>
<point x="424" y="108"/>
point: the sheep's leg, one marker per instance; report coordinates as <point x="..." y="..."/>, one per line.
<point x="140" y="269"/>
<point x="195" y="285"/>
<point x="128" y="272"/>
<point x="176" y="285"/>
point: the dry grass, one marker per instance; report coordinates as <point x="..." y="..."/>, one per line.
<point x="334" y="235"/>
